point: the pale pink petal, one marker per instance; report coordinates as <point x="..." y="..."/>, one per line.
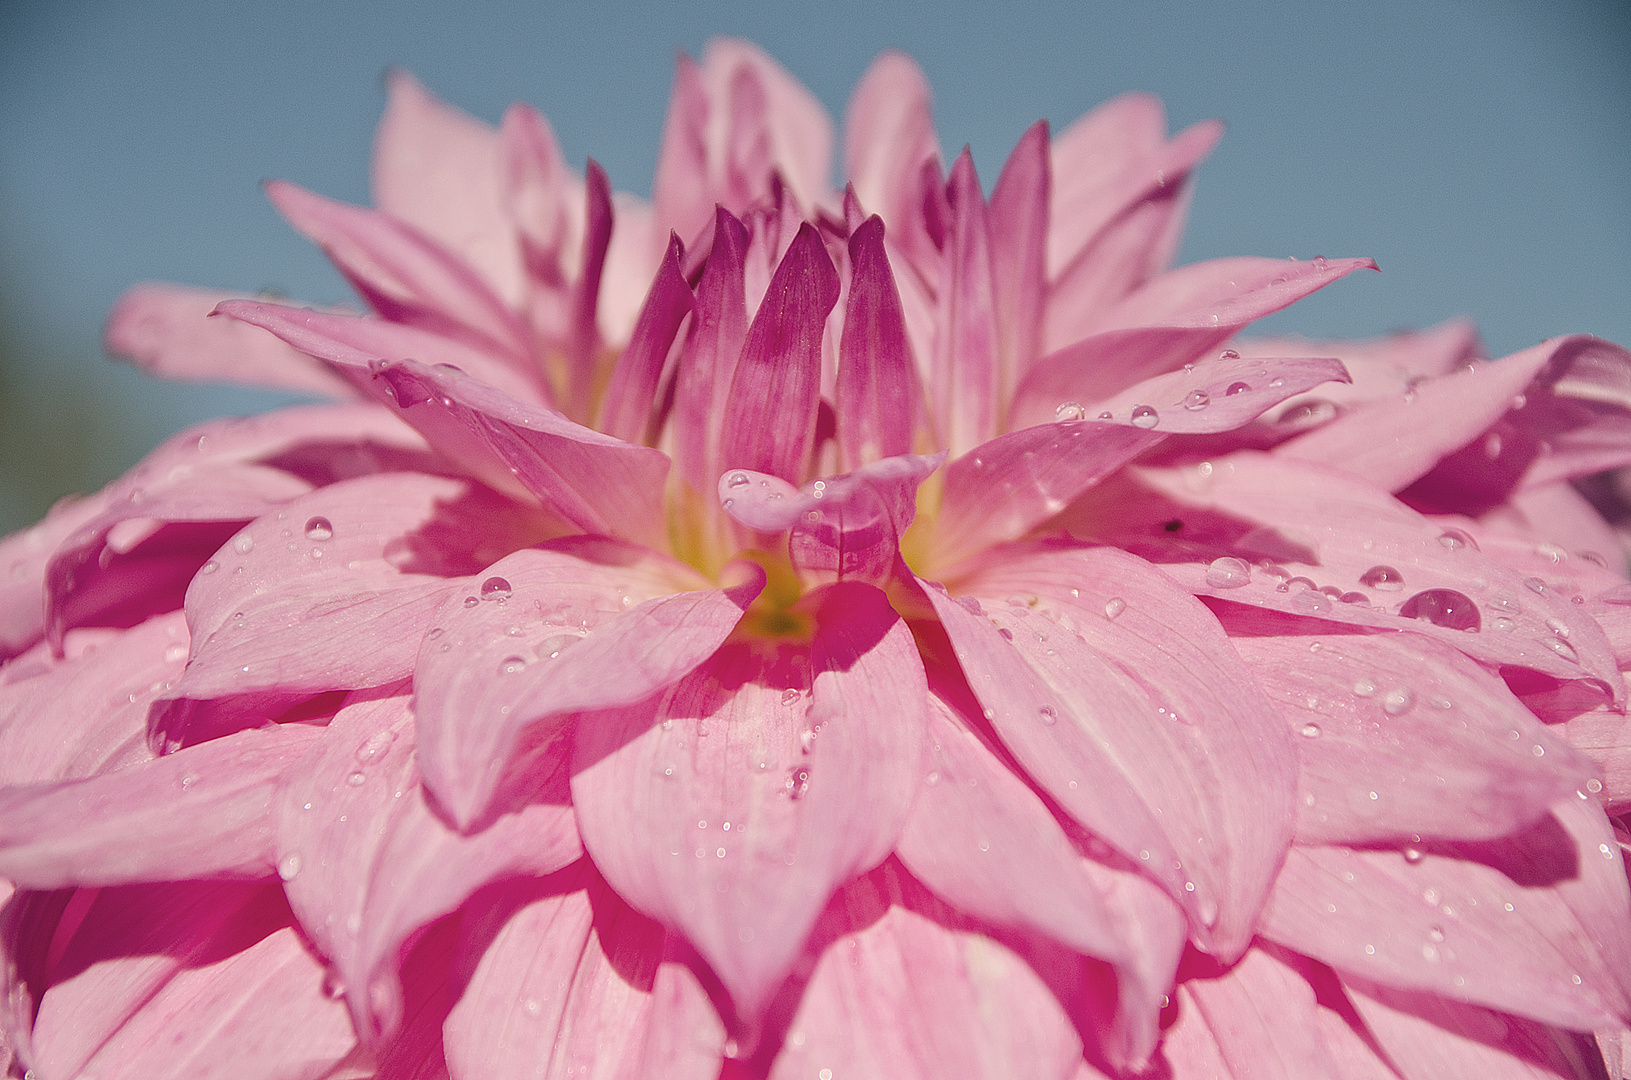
<point x="681" y="193"/>
<point x="877" y="395"/>
<point x="547" y="633"/>
<point x="1603" y="734"/>
<point x="184" y="981"/>
<point x="1258" y="1019"/>
<point x="796" y="133"/>
<point x="1386" y="367"/>
<point x="166" y="330"/>
<point x="437" y="169"/>
<point x="403" y="274"/>
<point x="572" y="982"/>
<point x="719" y="324"/>
<point x="984" y="842"/>
<point x="1401" y="736"/>
<point x="202" y="812"/>
<point x="731" y="805"/>
<point x="776" y="386"/>
<point x="897" y="995"/>
<point x="1018" y="219"/>
<point x="596" y="482"/>
<point x="888" y="135"/>
<point x="1127" y="674"/>
<point x="541" y="197"/>
<point x="1430" y="1037"/>
<point x="367" y="864"/>
<point x="632" y="259"/>
<point x="1093" y="152"/>
<point x="88" y="715"/>
<point x="629" y="411"/>
<point x="1538" y="929"/>
<point x="25" y="556"/>
<point x="963" y="382"/>
<point x="337" y="591"/>
<point x="1249" y="524"/>
<point x="1552" y="517"/>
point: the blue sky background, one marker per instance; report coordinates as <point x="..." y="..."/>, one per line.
<point x="1481" y="152"/>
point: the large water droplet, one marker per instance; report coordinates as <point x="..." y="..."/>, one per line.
<point x="1456" y="540"/>
<point x="511" y="664"/>
<point x="1236" y="388"/>
<point x="1228" y="354"/>
<point x="244" y="544"/>
<point x="1145" y="417"/>
<point x="1196" y="400"/>
<point x="1311" y="601"/>
<point x="736" y="480"/>
<point x="319" y="528"/>
<point x="495" y="588"/>
<point x="1557" y="626"/>
<point x="1310" y="731"/>
<point x="1114" y="606"/>
<point x="1070" y="410"/>
<point x="375" y="746"/>
<point x="175" y="653"/>
<point x="790" y="695"/>
<point x="1228" y="573"/>
<point x="1382" y="579"/>
<point x="288" y="867"/>
<point x="1048" y="714"/>
<point x="1563" y="649"/>
<point x="1443" y="607"/>
<point x="1396" y="702"/>
<point x="208" y="568"/>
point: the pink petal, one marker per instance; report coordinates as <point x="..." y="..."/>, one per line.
<point x="1296" y="520"/>
<point x="1400" y="735"/>
<point x="165" y="330"/>
<point x="1145" y="681"/>
<point x="437" y="169"/>
<point x="734" y="817"/>
<point x="202" y="812"/>
<point x="897" y="995"/>
<point x="877" y="392"/>
<point x="337" y="591"/>
<point x="964" y="381"/>
<point x="584" y="345"/>
<point x="575" y="982"/>
<point x="1019" y="234"/>
<point x="403" y="274"/>
<point x="681" y="192"/>
<point x="888" y="135"/>
<point x="983" y="841"/>
<point x="592" y="625"/>
<point x="367" y="864"/>
<point x="25" y="555"/>
<point x="1089" y="156"/>
<point x="540" y="197"/>
<point x="1557" y="515"/>
<point x="596" y="482"/>
<point x="776" y="386"/>
<point x="184" y="980"/>
<point x="88" y="715"/>
<point x="796" y="132"/>
<point x="719" y="325"/>
<point x="1513" y="935"/>
<point x="1385" y="367"/>
<point x="1259" y="1019"/>
<point x="629" y="409"/>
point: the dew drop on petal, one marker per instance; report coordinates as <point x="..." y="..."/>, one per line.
<point x="789" y="696"/>
<point x="319" y="529"/>
<point x="1535" y="585"/>
<point x="1196" y="400"/>
<point x="1070" y="410"/>
<point x="736" y="480"/>
<point x="1354" y="598"/>
<point x="1443" y="607"/>
<point x="208" y="568"/>
<point x="244" y="544"/>
<point x="1228" y="354"/>
<point x="471" y="601"/>
<point x="511" y="664"/>
<point x="1594" y="785"/>
<point x="1364" y="688"/>
<point x="1114" y="606"/>
<point x="798" y="782"/>
<point x="1144" y="416"/>
<point x="1310" y="731"/>
<point x="1557" y="626"/>
<point x="1398" y="701"/>
<point x="288" y="867"/>
<point x="375" y="746"/>
<point x="495" y="588"/>
<point x="1236" y="388"/>
<point x="175" y="653"/>
<point x="1228" y="572"/>
<point x="356" y="779"/>
<point x="1311" y="601"/>
<point x="1048" y="714"/>
<point x="1382" y="579"/>
<point x="1412" y="855"/>
<point x="1105" y="415"/>
<point x="1563" y="649"/>
<point x="1457" y="540"/>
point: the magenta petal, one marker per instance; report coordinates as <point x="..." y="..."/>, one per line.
<point x="730" y="806"/>
<point x="367" y="864"/>
<point x="437" y="169"/>
<point x="964" y="371"/>
<point x="1259" y="1019"/>
<point x="1399" y="735"/>
<point x="1019" y="234"/>
<point x="165" y="330"/>
<point x="572" y="983"/>
<point x="877" y="393"/>
<point x="1538" y="932"/>
<point x="629" y="410"/>
<point x="770" y="423"/>
<point x="584" y="345"/>
<point x="896" y="995"/>
<point x="167" y="982"/>
<point x="202" y="812"/>
<point x="1128" y="669"/>
<point x="403" y="274"/>
<point x="593" y="625"/>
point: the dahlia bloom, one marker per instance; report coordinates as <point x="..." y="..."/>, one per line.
<point x="773" y="631"/>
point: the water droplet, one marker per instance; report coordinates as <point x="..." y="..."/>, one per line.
<point x="356" y="779"/>
<point x="790" y="695"/>
<point x="1070" y="410"/>
<point x="1310" y="731"/>
<point x="495" y="588"/>
<point x="175" y="653"/>
<point x="1382" y="579"/>
<point x="1563" y="649"/>
<point x="1048" y="714"/>
<point x="319" y="528"/>
<point x="288" y="867"/>
<point x="208" y="568"/>
<point x="244" y="544"/>
<point x="1456" y="540"/>
<point x="1594" y="785"/>
<point x="1228" y="354"/>
<point x="1228" y="573"/>
<point x="1506" y="604"/>
<point x="1236" y="388"/>
<point x="375" y="746"/>
<point x="736" y="480"/>
<point x="1275" y="384"/>
<point x="1412" y="855"/>
<point x="1145" y="417"/>
<point x="1311" y="601"/>
<point x="1557" y="626"/>
<point x="1105" y="415"/>
<point x="1354" y="598"/>
<point x="511" y="664"/>
<point x="1398" y="701"/>
<point x="471" y="601"/>
<point x="1196" y="400"/>
<point x="1364" y="688"/>
<point x="798" y="782"/>
<point x="1535" y="585"/>
<point x="1443" y="607"/>
<point x="1114" y="606"/>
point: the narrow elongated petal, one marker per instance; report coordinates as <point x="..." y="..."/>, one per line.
<point x="165" y="330"/>
<point x="628" y="411"/>
<point x="406" y="276"/>
<point x="185" y="980"/>
<point x="1399" y="735"/>
<point x="878" y="396"/>
<point x="791" y="125"/>
<point x="540" y="197"/>
<point x="777" y="384"/>
<point x="898" y="995"/>
<point x="583" y="347"/>
<point x="730" y="806"/>
<point x="680" y="192"/>
<point x="1191" y="732"/>
<point x="437" y="169"/>
<point x="591" y="626"/>
<point x="964" y="381"/>
<point x="888" y="135"/>
<point x="1258" y="1019"/>
<point x="1018" y="219"/>
<point x="202" y="812"/>
<point x="712" y="350"/>
<point x="1513" y="932"/>
<point x="574" y="982"/>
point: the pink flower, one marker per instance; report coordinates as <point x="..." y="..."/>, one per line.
<point x="776" y="632"/>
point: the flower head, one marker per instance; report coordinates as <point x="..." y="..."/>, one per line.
<point x="780" y="631"/>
